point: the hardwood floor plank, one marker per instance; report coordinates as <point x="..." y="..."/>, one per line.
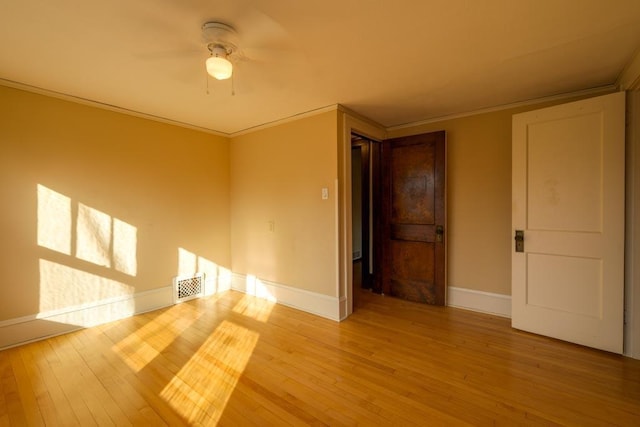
<point x="234" y="360"/>
<point x="13" y="405"/>
<point x="5" y="371"/>
<point x="64" y="412"/>
<point x="100" y="403"/>
<point x="33" y="416"/>
<point x="110" y="370"/>
<point x="287" y="365"/>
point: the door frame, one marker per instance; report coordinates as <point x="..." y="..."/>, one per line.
<point x="632" y="220"/>
<point x="629" y="81"/>
<point x="351" y="124"/>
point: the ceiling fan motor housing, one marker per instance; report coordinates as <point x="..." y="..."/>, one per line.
<point x="220" y="36"/>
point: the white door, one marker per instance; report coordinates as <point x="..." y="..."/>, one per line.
<point x="568" y="200"/>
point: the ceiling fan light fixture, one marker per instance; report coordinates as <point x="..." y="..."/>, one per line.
<point x="218" y="66"/>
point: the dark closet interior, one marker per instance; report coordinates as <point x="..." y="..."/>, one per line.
<point x="365" y="185"/>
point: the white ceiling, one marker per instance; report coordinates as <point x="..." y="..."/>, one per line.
<point x="394" y="62"/>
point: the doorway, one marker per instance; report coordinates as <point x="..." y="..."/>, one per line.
<point x="398" y="217"/>
<point x="375" y="258"/>
<point x="365" y="189"/>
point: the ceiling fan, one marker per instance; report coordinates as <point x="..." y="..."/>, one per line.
<point x="222" y="42"/>
<point x="258" y="47"/>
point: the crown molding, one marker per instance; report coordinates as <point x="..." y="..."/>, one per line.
<point x="292" y="118"/>
<point x="560" y="97"/>
<point x="629" y="78"/>
<point x="104" y="106"/>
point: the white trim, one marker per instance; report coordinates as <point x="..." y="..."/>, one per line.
<point x="632" y="231"/>
<point x="300" y="299"/>
<point x="122" y="110"/>
<point x="337" y="245"/>
<point x="343" y="309"/>
<point x="351" y="123"/>
<point x="485" y="302"/>
<point x="39" y="326"/>
<point x="362" y="125"/>
<point x="629" y="79"/>
<point x="108" y="107"/>
<point x="564" y="96"/>
<point x="284" y="120"/>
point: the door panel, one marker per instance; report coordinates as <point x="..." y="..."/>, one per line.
<point x="565" y="174"/>
<point x="414" y="255"/>
<point x="554" y="281"/>
<point x="568" y="198"/>
<point x="412" y="184"/>
<point x="412" y="278"/>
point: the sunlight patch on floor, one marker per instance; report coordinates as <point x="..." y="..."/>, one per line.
<point x="201" y="389"/>
<point x="257" y="309"/>
<point x="140" y="348"/>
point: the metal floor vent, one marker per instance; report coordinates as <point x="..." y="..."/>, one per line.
<point x="188" y="287"/>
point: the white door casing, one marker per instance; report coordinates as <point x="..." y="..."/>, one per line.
<point x="568" y="198"/>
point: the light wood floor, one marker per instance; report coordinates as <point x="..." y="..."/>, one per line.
<point x="234" y="360"/>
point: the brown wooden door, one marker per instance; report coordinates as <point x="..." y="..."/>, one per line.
<point x="413" y="203"/>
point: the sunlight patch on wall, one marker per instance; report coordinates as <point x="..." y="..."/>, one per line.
<point x="94" y="236"/>
<point x="257" y="288"/>
<point x="66" y="288"/>
<point x="209" y="268"/>
<point x="97" y="315"/>
<point x="187" y="262"/>
<point x="224" y="279"/>
<point x="75" y="296"/>
<point x="99" y="238"/>
<point x="54" y="220"/>
<point x="144" y="345"/>
<point x="125" y="241"/>
<point x="216" y="278"/>
<point x="201" y="389"/>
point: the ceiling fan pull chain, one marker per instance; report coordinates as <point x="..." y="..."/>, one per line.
<point x="233" y="87"/>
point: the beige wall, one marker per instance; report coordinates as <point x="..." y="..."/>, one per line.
<point x="78" y="184"/>
<point x="282" y="231"/>
<point x="97" y="204"/>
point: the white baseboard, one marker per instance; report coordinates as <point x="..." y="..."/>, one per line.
<point x="485" y="302"/>
<point x="343" y="308"/>
<point x="311" y="302"/>
<point x="26" y="329"/>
